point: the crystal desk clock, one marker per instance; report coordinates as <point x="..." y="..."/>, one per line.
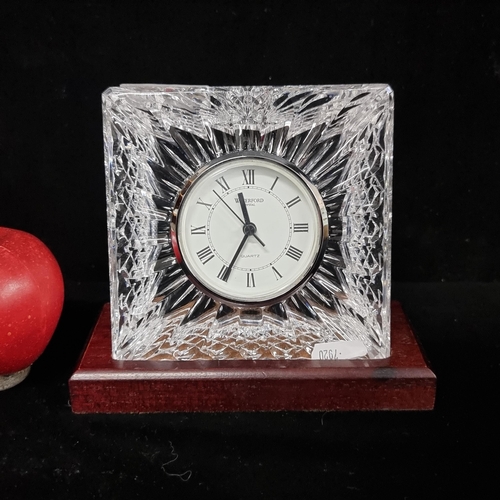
<point x="249" y="222"/>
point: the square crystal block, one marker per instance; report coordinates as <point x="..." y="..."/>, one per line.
<point x="340" y="137"/>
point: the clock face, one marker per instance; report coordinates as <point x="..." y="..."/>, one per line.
<point x="249" y="229"/>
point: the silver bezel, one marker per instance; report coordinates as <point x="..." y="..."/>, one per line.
<point x="321" y="211"/>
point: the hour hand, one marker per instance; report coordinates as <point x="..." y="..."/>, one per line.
<point x="244" y="210"/>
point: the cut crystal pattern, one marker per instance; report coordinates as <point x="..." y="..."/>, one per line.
<point x="156" y="137"/>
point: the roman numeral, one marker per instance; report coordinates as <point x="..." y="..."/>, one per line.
<point x="277" y="275"/>
<point x="294" y="253"/>
<point x="274" y="183"/>
<point x="301" y="227"/>
<point x="223" y="273"/>
<point x="250" y="280"/>
<point x="198" y="230"/>
<point x="222" y="183"/>
<point x="248" y="176"/>
<point x="205" y="254"/>
<point x="293" y="202"/>
<point x="201" y="202"/>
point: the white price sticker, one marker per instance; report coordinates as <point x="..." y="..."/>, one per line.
<point x="342" y="349"/>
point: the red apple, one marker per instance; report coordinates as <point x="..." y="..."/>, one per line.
<point x="31" y="299"/>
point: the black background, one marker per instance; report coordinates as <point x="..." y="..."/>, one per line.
<point x="443" y="61"/>
<point x="441" y="58"/>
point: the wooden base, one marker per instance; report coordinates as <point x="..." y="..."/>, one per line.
<point x="103" y="385"/>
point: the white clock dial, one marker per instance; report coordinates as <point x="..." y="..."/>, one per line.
<point x="249" y="229"/>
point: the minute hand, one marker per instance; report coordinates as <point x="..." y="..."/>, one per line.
<point x="235" y="256"/>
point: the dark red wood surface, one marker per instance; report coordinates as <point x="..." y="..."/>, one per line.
<point x="103" y="385"/>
